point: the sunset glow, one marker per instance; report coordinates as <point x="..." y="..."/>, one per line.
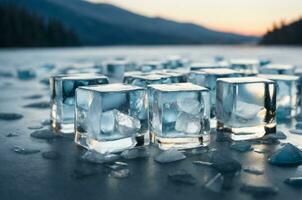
<point x="240" y="16"/>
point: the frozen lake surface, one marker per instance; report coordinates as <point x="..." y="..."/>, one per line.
<point x="34" y="177"/>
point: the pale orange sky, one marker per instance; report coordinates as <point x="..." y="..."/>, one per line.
<point x="252" y="17"/>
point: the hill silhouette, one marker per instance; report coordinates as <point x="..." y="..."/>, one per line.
<point x="106" y="24"/>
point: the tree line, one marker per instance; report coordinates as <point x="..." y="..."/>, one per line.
<point x="284" y="34"/>
<point x="21" y="28"/>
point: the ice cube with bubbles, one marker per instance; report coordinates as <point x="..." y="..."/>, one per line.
<point x="111" y="118"/>
<point x="246" y="107"/>
<point x="208" y="77"/>
<point x="286" y="94"/>
<point x="278" y="69"/>
<point x="62" y="101"/>
<point x="179" y="115"/>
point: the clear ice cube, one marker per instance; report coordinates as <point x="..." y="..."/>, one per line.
<point x="246" y="106"/>
<point x="208" y="77"/>
<point x="278" y="69"/>
<point x="179" y="115"/>
<point x="111" y="118"/>
<point x="286" y="94"/>
<point x="62" y="102"/>
<point x="246" y="66"/>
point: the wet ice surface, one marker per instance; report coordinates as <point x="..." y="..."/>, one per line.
<point x="45" y="134"/>
<point x="135" y="153"/>
<point x="71" y="176"/>
<point x="95" y="157"/>
<point x="38" y="105"/>
<point x="253" y="170"/>
<point x="182" y="176"/>
<point x="25" y="151"/>
<point x="215" y="184"/>
<point x="51" y="155"/>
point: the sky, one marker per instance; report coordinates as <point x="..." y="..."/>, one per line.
<point x="249" y="17"/>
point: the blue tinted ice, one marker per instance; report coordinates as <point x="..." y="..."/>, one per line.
<point x="145" y="79"/>
<point x="179" y="115"/>
<point x="62" y="89"/>
<point x="245" y="107"/>
<point x="111" y="117"/>
<point x="208" y="77"/>
<point x="278" y="69"/>
<point x="176" y="76"/>
<point x="286" y="94"/>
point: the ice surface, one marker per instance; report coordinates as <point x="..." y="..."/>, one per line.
<point x="286" y="156"/>
<point x="38" y="105"/>
<point x="202" y="163"/>
<point x="259" y="190"/>
<point x="215" y="184"/>
<point x="246" y="106"/>
<point x="242" y="146"/>
<point x="168" y="156"/>
<point x="51" y="155"/>
<point x="253" y="170"/>
<point x="294" y="181"/>
<point x="182" y="176"/>
<point x="296" y="131"/>
<point x="84" y="172"/>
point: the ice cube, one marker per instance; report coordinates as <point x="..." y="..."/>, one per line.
<point x="168" y="156"/>
<point x="62" y="88"/>
<point x="182" y="176"/>
<point x="109" y="121"/>
<point x="245" y="107"/>
<point x="278" y="69"/>
<point x="179" y="115"/>
<point x="286" y="156"/>
<point x="286" y="94"/>
<point x="215" y="184"/>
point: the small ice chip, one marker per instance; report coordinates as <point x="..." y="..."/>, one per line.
<point x="170" y="155"/>
<point x="294" y="181"/>
<point x="287" y="155"/>
<point x="25" y="151"/>
<point x="120" y="173"/>
<point x="215" y="184"/>
<point x="259" y="190"/>
<point x="253" y="170"/>
<point x="242" y="146"/>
